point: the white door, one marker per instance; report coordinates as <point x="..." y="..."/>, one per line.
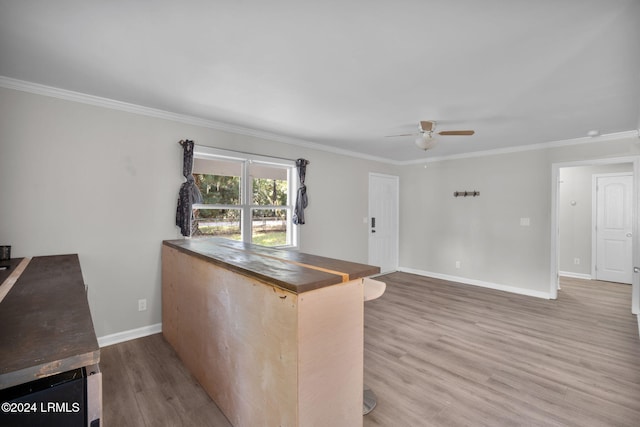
<point x="613" y="228"/>
<point x="383" y="221"/>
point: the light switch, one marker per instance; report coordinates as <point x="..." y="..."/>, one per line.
<point x="525" y="222"/>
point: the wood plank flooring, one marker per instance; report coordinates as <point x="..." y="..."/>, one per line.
<point x="440" y="354"/>
<point x="145" y="384"/>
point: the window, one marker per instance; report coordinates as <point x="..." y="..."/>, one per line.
<point x="245" y="197"/>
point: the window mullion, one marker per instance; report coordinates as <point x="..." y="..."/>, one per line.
<point x="292" y="182"/>
<point x="208" y="206"/>
<point x="245" y="200"/>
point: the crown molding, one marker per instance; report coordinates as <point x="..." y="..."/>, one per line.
<point x="69" y="95"/>
<point x="39" y="89"/>
<point x="530" y="147"/>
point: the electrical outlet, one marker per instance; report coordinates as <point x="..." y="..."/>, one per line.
<point x="457" y="264"/>
<point x="576" y="261"/>
<point x="142" y="304"/>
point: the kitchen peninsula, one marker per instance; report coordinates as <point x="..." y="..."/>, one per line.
<point x="274" y="336"/>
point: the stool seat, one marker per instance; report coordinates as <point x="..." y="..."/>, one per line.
<point x="372" y="289"/>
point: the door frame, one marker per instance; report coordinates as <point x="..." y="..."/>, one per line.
<point x="554" y="281"/>
<point x="397" y="209"/>
<point x="594" y="206"/>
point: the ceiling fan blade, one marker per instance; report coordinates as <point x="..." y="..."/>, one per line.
<point x="456" y="132"/>
<point x="402" y="134"/>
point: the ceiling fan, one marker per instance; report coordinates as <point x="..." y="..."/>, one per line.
<point x="426" y="128"/>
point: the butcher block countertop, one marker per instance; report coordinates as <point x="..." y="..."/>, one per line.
<point x="45" y="322"/>
<point x="291" y="270"/>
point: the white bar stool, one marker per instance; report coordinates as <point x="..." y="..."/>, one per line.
<point x="372" y="289"/>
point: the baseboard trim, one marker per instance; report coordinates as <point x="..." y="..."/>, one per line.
<point x="638" y="317"/>
<point x="480" y="283"/>
<point x="575" y="275"/>
<point x="131" y="334"/>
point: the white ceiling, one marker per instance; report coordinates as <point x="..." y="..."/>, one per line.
<point x="346" y="73"/>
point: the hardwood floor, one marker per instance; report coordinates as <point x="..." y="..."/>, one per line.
<point x="144" y="384"/>
<point x="440" y="354"/>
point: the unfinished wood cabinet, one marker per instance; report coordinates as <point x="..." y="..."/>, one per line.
<point x="274" y="337"/>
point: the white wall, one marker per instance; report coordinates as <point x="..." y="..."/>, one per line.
<point x="76" y="178"/>
<point x="484" y="233"/>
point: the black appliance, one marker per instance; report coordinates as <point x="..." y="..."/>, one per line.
<point x="68" y="399"/>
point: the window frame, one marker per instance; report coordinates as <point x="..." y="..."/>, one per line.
<point x="246" y="205"/>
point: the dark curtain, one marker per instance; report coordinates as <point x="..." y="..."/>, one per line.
<point x="301" y="200"/>
<point x="189" y="192"/>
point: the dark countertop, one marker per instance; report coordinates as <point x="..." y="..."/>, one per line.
<point x="12" y="264"/>
<point x="291" y="270"/>
<point x="45" y="322"/>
